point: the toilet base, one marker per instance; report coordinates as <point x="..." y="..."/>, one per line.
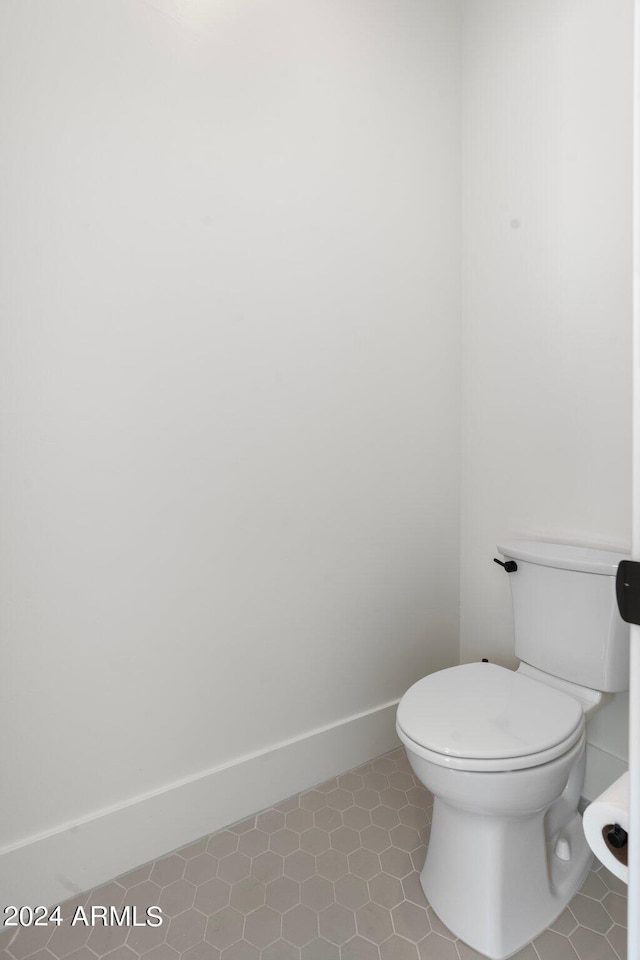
<point x="497" y="883"/>
<point x="493" y="872"/>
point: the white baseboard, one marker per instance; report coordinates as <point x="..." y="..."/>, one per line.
<point x="51" y="868"/>
<point x="602" y="769"/>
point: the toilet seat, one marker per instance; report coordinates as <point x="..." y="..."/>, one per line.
<point x="482" y="717"/>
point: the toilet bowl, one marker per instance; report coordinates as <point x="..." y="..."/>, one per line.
<point x="507" y="850"/>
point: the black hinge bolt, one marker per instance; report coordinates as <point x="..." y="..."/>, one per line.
<point x="510" y="566"/>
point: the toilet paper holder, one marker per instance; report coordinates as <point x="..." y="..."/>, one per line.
<point x="616" y="838"/>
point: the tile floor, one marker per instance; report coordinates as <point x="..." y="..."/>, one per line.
<point x="330" y="874"/>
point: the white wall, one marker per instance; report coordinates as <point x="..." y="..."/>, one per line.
<point x="230" y="391"/>
<point x="546" y="149"/>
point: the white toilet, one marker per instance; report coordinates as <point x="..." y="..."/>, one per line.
<point x="503" y="752"/>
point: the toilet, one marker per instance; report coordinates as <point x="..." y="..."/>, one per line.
<point x="503" y="751"/>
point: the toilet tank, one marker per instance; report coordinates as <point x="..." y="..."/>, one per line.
<point x="565" y="615"/>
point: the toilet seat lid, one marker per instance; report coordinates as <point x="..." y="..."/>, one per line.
<point x="485" y="712"/>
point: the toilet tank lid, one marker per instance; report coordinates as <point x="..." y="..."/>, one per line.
<point x="563" y="556"/>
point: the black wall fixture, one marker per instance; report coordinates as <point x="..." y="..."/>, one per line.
<point x="628" y="590"/>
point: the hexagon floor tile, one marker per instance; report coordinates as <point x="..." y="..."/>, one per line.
<point x="331" y="874"/>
